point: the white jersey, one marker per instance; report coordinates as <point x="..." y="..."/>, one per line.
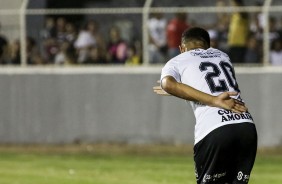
<point x="157" y="30"/>
<point x="211" y="72"/>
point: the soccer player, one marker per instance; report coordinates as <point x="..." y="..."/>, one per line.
<point x="225" y="135"/>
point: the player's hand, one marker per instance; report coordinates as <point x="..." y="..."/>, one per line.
<point x="158" y="90"/>
<point x="225" y="101"/>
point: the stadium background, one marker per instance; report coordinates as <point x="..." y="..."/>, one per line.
<point x="102" y="123"/>
<point x="48" y="104"/>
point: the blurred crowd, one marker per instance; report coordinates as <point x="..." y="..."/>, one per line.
<point x="239" y="34"/>
<point x="62" y="42"/>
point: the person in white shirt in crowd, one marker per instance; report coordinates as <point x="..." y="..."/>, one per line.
<point x="157" y="38"/>
<point x="83" y="43"/>
<point x="276" y="53"/>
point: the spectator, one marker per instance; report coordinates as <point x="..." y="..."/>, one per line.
<point x="3" y="49"/>
<point x="279" y="30"/>
<point x="66" y="54"/>
<point x="48" y="35"/>
<point x="157" y="37"/>
<point x="238" y="33"/>
<point x="138" y="48"/>
<point x="221" y="25"/>
<point x="253" y="50"/>
<point x="84" y="41"/>
<point x="258" y="21"/>
<point x="222" y="17"/>
<point x="93" y="28"/>
<point x="71" y="32"/>
<point x="213" y="38"/>
<point x="49" y="30"/>
<point x="276" y="53"/>
<point x="32" y="52"/>
<point x="14" y="54"/>
<point x="51" y="49"/>
<point x="96" y="56"/>
<point x="61" y="29"/>
<point x="273" y="29"/>
<point x="175" y="28"/>
<point x="117" y="48"/>
<point x="54" y="35"/>
<point x="132" y="57"/>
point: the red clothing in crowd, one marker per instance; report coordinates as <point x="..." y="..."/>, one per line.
<point x="175" y="29"/>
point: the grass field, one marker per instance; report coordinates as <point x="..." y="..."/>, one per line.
<point x="115" y="165"/>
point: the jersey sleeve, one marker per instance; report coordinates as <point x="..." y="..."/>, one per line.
<point x="170" y="69"/>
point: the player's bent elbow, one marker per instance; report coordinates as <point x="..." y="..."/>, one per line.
<point x="168" y="84"/>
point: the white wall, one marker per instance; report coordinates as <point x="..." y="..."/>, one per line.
<point x="117" y="105"/>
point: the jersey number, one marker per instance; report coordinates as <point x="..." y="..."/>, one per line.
<point x="228" y="71"/>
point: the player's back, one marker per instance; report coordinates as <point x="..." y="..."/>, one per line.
<point x="209" y="71"/>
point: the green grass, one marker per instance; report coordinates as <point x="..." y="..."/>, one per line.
<point x="80" y="167"/>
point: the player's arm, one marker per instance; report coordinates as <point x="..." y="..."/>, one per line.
<point x="159" y="90"/>
<point x="171" y="86"/>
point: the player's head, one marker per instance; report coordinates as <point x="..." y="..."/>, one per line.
<point x="194" y="38"/>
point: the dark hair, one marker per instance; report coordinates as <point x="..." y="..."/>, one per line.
<point x="196" y="33"/>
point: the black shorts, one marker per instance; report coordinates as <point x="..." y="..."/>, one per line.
<point x="226" y="155"/>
